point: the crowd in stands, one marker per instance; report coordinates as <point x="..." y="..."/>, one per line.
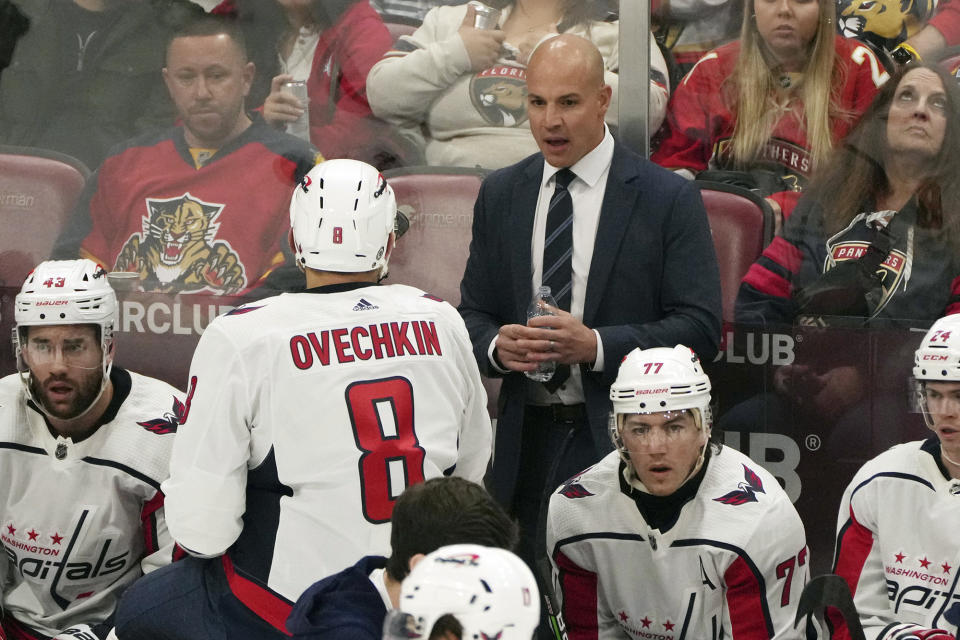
<point x="840" y="119"/>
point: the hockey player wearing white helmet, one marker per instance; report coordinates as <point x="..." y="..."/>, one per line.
<point x="84" y="447"/>
<point x="466" y="592"/>
<point x="310" y="413"/>
<point x="672" y="534"/>
<point x="899" y="517"/>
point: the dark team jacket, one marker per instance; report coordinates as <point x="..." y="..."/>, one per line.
<point x="219" y="229"/>
<point x="344" y="606"/>
<point x="919" y="276"/>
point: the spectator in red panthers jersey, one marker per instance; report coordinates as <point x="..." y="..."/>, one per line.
<point x="777" y="100"/>
<point x="197" y="208"/>
<point x="877" y="235"/>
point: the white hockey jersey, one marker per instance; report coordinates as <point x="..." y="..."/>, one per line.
<point x="898" y="545"/>
<point x="308" y="415"/>
<point x="732" y="566"/>
<point x="79" y="522"/>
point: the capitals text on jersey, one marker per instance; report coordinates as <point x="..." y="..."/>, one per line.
<point x="379" y="341"/>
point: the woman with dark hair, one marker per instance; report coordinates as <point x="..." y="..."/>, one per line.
<point x="460" y="92"/>
<point x="330" y="44"/>
<point x="777" y="99"/>
<point x="877" y="234"/>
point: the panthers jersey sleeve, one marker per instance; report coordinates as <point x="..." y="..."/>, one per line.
<point x="947" y="21"/>
<point x="790" y="260"/>
<point x="696" y="115"/>
<point x="205" y="494"/>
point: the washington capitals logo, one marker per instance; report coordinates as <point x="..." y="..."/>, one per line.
<point x="462" y="559"/>
<point x="746" y="491"/>
<point x="573" y="489"/>
<point x="169" y="422"/>
<point x="306" y="182"/>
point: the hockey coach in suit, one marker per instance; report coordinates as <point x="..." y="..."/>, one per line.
<point x="626" y="249"/>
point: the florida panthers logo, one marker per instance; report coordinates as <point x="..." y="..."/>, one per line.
<point x="893" y="272"/>
<point x="500" y="95"/>
<point x="884" y="23"/>
<point x="176" y="252"/>
<point x="746" y="491"/>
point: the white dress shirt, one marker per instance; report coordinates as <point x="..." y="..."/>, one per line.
<point x="586" y="192"/>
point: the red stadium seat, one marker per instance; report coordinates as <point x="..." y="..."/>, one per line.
<point x="439" y="203"/>
<point x="742" y="225"/>
<point x="433" y="253"/>
<point x="38" y="189"/>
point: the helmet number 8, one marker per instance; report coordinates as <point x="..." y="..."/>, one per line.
<point x="338" y="235"/>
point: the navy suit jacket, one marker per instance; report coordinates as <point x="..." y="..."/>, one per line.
<point x="653" y="282"/>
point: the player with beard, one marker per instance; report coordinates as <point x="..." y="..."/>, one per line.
<point x="84" y="447"/>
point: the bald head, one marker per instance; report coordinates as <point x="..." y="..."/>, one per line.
<point x="571" y="53"/>
<point x="567" y="98"/>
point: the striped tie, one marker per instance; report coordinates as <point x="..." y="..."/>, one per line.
<point x="558" y="256"/>
<point x="558" y="241"/>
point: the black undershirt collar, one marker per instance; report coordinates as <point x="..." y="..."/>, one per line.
<point x="662" y="512"/>
<point x="932" y="446"/>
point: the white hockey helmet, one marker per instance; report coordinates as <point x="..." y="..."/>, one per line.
<point x="490" y="592"/>
<point x="937" y="359"/>
<point x="660" y="379"/>
<point x="342" y="214"/>
<point x="59" y="292"/>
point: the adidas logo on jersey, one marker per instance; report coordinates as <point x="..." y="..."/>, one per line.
<point x="364" y="305"/>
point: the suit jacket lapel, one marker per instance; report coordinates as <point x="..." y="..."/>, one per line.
<point x="523" y="208"/>
<point x="619" y="204"/>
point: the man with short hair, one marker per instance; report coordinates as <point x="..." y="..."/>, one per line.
<point x="671" y="533"/>
<point x="352" y="604"/>
<point x="84" y="447"/>
<point x="465" y="592"/>
<point x="195" y="208"/>
<point x="898" y="520"/>
<point x="626" y="249"/>
<point x="309" y="415"/>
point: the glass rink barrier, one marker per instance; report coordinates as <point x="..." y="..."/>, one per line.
<point x="811" y="405"/>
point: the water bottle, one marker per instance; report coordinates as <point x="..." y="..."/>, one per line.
<point x="538" y="308"/>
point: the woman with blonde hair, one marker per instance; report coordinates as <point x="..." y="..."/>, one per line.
<point x="777" y="99"/>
